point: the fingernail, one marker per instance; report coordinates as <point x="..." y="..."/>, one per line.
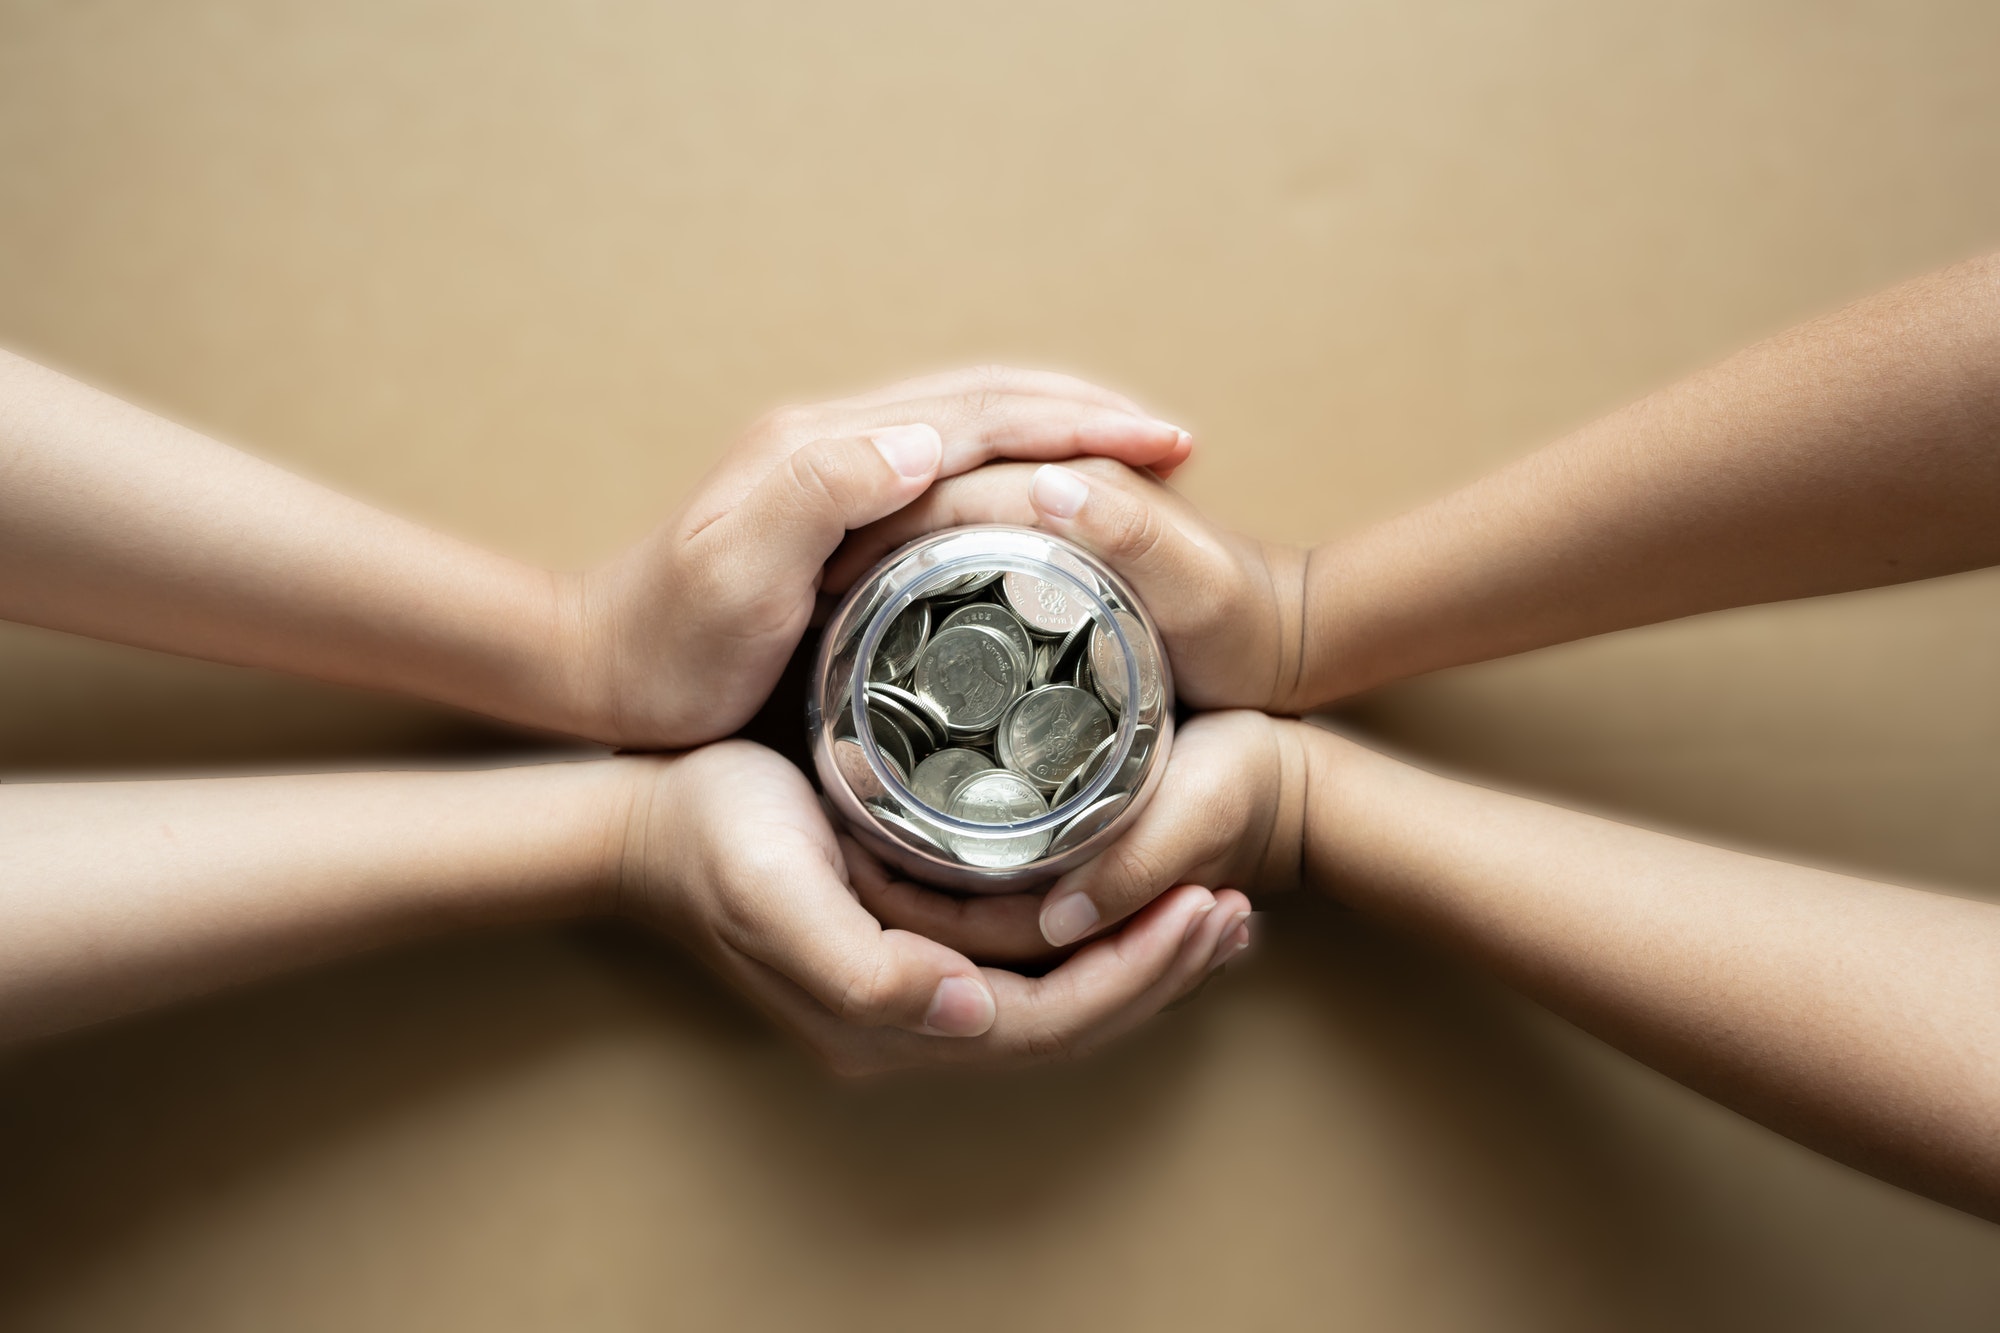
<point x="1168" y="425"/>
<point x="1194" y="922"/>
<point x="1057" y="491"/>
<point x="1235" y="939"/>
<point x="961" y="1007"/>
<point x="1068" y="919"/>
<point x="914" y="451"/>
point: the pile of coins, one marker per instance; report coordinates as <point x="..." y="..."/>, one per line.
<point x="994" y="699"/>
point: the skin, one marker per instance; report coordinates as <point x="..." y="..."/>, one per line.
<point x="114" y="896"/>
<point x="120" y="525"/>
<point x="1855" y="451"/>
<point x="124" y="895"/>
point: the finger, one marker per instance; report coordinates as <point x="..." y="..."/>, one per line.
<point x="796" y="516"/>
<point x="979" y="427"/>
<point x="1124" y="522"/>
<point x="803" y="924"/>
<point x="1220" y="936"/>
<point x="997" y="380"/>
<point x="996" y="493"/>
<point x="1001" y="929"/>
<point x="1110" y="987"/>
<point x="1188" y="831"/>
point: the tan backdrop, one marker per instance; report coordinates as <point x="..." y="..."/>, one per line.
<point x="522" y="269"/>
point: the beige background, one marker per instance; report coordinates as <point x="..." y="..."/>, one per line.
<point x="521" y="270"/>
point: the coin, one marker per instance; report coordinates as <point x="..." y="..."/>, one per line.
<point x="1046" y="606"/>
<point x="851" y="762"/>
<point x="938" y="776"/>
<point x="1094" y="820"/>
<point x="1107" y="664"/>
<point x="970" y="674"/>
<point x="1069" y="651"/>
<point x="916" y="719"/>
<point x="897" y="651"/>
<point x="1050" y="731"/>
<point x="1082" y="775"/>
<point x="997" y="796"/>
<point x="964" y="585"/>
<point x="994" y="616"/>
<point x="890" y="740"/>
<point x="911" y="831"/>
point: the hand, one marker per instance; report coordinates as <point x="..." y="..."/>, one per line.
<point x="1229" y="608"/>
<point x="728" y="851"/>
<point x="1229" y="810"/>
<point x="680" y="640"/>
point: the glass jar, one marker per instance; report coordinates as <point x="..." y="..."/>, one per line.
<point x="990" y="707"/>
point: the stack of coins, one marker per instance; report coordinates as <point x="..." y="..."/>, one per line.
<point x="995" y="698"/>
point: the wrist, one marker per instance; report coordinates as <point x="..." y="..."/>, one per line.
<point x="1286" y="569"/>
<point x="1283" y="864"/>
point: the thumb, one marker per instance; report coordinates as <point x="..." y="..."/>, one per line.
<point x="815" y="934"/>
<point x="1133" y="535"/>
<point x="796" y="517"/>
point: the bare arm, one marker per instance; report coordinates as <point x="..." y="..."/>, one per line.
<point x="1857" y="450"/>
<point x="1862" y="1019"/>
<point x="117" y="524"/>
<point x="115" y="896"/>
<point x="1854" y="451"/>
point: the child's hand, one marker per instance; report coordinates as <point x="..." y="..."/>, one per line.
<point x="728" y="850"/>
<point x="680" y="640"/>
<point x="1229" y="811"/>
<point x="1229" y="608"/>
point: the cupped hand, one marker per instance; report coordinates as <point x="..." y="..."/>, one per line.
<point x="678" y="641"/>
<point x="1229" y="811"/>
<point x="1230" y="609"/>
<point x="727" y="850"/>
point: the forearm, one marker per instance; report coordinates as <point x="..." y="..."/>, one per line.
<point x="1857" y="450"/>
<point x="1860" y="1018"/>
<point x="119" y="895"/>
<point x="119" y="525"/>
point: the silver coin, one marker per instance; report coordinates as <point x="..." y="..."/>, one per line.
<point x="890" y="740"/>
<point x="1144" y="737"/>
<point x="940" y="775"/>
<point x="908" y="829"/>
<point x="994" y="616"/>
<point x="1069" y="651"/>
<point x="897" y="651"/>
<point x="1084" y="773"/>
<point x="1003" y="742"/>
<point x="916" y="719"/>
<point x="1048" y="606"/>
<point x="964" y="585"/>
<point x="1052" y="730"/>
<point x="997" y="797"/>
<point x="970" y="673"/>
<point x="851" y="762"/>
<point x="1045" y="662"/>
<point x="1094" y="820"/>
<point x="1107" y="664"/>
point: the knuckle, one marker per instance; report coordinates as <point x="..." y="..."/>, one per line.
<point x="867" y="994"/>
<point x="1048" y="1043"/>
<point x="1132" y="530"/>
<point x="816" y="474"/>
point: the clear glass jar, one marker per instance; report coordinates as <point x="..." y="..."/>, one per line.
<point x="990" y="707"/>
